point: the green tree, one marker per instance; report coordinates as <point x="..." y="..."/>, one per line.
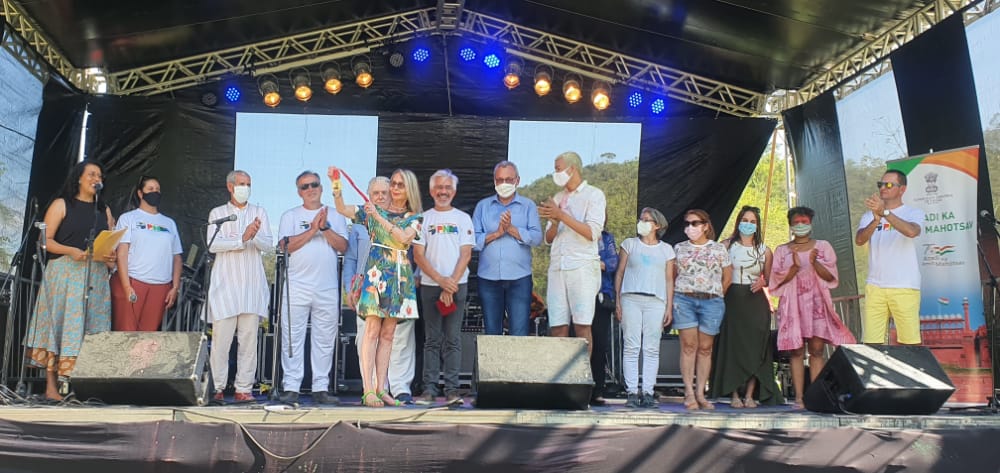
<point x="755" y="194"/>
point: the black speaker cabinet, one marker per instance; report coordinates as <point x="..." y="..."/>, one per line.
<point x="532" y="372"/>
<point x="144" y="368"/>
<point x="885" y="379"/>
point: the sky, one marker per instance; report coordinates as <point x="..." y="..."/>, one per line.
<point x="534" y="145"/>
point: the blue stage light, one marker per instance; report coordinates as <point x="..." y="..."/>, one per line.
<point x="467" y="54"/>
<point x="635" y="100"/>
<point x="657" y="106"/>
<point x="232" y="94"/>
<point x="421" y="54"/>
<point x="491" y="60"/>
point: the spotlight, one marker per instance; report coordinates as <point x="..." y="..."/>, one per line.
<point x="635" y="100"/>
<point x="267" y="84"/>
<point x="331" y="77"/>
<point x="467" y="54"/>
<point x="421" y="54"/>
<point x="396" y="59"/>
<point x="601" y="96"/>
<point x="571" y="88"/>
<point x="512" y="74"/>
<point x="491" y="60"/>
<point x="232" y="94"/>
<point x="543" y="80"/>
<point x="362" y="68"/>
<point x="301" y="84"/>
<point x="209" y="99"/>
<point x="657" y="106"/>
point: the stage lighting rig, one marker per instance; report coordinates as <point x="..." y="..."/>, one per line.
<point x="301" y="84"/>
<point x="267" y="85"/>
<point x="362" y="68"/>
<point x="601" y="96"/>
<point x="543" y="80"/>
<point x="396" y="58"/>
<point x="421" y="54"/>
<point x="330" y="72"/>
<point x="571" y="88"/>
<point x="512" y="74"/>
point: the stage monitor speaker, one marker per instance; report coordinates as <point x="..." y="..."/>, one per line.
<point x="885" y="379"/>
<point x="144" y="368"/>
<point x="532" y="372"/>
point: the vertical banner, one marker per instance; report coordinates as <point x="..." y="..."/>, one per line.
<point x="952" y="323"/>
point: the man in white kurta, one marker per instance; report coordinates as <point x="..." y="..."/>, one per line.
<point x="314" y="237"/>
<point x="238" y="294"/>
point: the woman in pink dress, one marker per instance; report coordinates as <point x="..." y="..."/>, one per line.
<point x="802" y="275"/>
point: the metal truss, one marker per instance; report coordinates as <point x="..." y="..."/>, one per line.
<point x="23" y="53"/>
<point x="603" y="64"/>
<point x="870" y="60"/>
<point x="274" y="55"/>
<point x="448" y="14"/>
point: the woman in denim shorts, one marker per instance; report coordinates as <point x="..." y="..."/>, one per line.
<point x="703" y="275"/>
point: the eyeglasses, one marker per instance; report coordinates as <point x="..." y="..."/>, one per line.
<point x="692" y="223"/>
<point x="505" y="180"/>
<point x="887" y="185"/>
<point x="750" y="208"/>
<point x="307" y="185"/>
<point x="397" y="184"/>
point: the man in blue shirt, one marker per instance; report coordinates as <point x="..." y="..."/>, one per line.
<point x="507" y="227"/>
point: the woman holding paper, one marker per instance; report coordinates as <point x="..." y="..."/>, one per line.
<point x="149" y="263"/>
<point x="55" y="332"/>
<point x="388" y="293"/>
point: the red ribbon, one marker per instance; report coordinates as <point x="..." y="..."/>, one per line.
<point x="351" y="182"/>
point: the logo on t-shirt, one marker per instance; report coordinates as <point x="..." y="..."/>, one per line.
<point x="151" y="227"/>
<point x="443" y="228"/>
<point x="304" y="224"/>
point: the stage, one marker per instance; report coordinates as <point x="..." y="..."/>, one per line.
<point x="272" y="437"/>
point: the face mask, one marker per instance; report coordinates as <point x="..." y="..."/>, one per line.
<point x="747" y="228"/>
<point x="152" y="198"/>
<point x="643" y="228"/>
<point x="802" y="229"/>
<point x="694" y="232"/>
<point x="241" y="194"/>
<point x="505" y="190"/>
<point x="560" y="178"/>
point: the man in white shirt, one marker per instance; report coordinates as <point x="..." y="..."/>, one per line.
<point x="893" y="286"/>
<point x="576" y="218"/>
<point x="443" y="253"/>
<point x="238" y="294"/>
<point x="313" y="237"/>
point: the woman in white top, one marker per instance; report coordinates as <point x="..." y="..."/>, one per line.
<point x="703" y="275"/>
<point x="743" y="358"/>
<point x="149" y="263"/>
<point x="644" y="284"/>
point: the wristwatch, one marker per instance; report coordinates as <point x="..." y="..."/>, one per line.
<point x="885" y="212"/>
<point x="323" y="229"/>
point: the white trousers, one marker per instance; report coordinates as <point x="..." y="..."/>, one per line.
<point x="402" y="360"/>
<point x="323" y="308"/>
<point x="244" y="326"/>
<point x="642" y="326"/>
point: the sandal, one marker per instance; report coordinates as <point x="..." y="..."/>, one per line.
<point x="690" y="403"/>
<point x="749" y="403"/>
<point x="736" y="403"/>
<point x="704" y="404"/>
<point x="376" y="402"/>
<point x="391" y="402"/>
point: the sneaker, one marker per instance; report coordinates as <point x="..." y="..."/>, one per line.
<point x="324" y="398"/>
<point x="649" y="401"/>
<point x="633" y="401"/>
<point x="406" y="399"/>
<point x="289" y="397"/>
<point x="426" y="399"/>
<point x="245" y="397"/>
<point x="454" y="398"/>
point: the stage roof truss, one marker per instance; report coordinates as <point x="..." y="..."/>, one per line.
<point x="870" y="60"/>
<point x="275" y="55"/>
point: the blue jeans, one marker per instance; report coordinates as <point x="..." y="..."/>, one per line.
<point x="512" y="297"/>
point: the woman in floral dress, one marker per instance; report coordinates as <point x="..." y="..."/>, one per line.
<point x="388" y="293"/>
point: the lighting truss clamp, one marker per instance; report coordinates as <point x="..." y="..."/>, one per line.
<point x="448" y="14"/>
<point x="870" y="60"/>
<point x="274" y="55"/>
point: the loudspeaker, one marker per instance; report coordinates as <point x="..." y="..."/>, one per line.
<point x="669" y="374"/>
<point x="886" y="379"/>
<point x="532" y="372"/>
<point x="144" y="368"/>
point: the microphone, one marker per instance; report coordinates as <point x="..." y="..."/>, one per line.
<point x="220" y="221"/>
<point x="98" y="187"/>
<point x="985" y="215"/>
<point x="42" y="237"/>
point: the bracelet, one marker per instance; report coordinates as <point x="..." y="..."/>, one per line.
<point x="323" y="229"/>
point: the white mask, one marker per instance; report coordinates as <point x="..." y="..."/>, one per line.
<point x="505" y="190"/>
<point x="241" y="194"/>
<point x="644" y="228"/>
<point x="694" y="232"/>
<point x="560" y="178"/>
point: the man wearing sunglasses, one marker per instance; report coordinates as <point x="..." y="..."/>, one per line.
<point x="893" y="285"/>
<point x="313" y="237"/>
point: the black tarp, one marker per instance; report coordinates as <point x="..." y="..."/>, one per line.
<point x="813" y="132"/>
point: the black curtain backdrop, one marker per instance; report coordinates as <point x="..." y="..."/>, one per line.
<point x="813" y="132"/>
<point x="937" y="99"/>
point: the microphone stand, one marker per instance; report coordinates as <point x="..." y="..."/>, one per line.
<point x="13" y="292"/>
<point x="281" y="294"/>
<point x="991" y="322"/>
